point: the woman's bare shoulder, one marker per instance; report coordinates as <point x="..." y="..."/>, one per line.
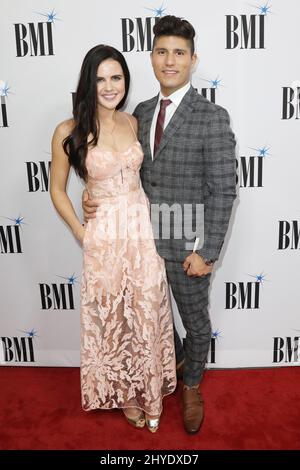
<point x="133" y="121"/>
<point x="63" y="129"/>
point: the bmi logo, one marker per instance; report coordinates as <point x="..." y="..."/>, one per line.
<point x="247" y="31"/>
<point x="58" y="296"/>
<point x="137" y="33"/>
<point x="18" y="348"/>
<point x="289" y="235"/>
<point x="10" y="236"/>
<point x="36" y="38"/>
<point x="4" y="91"/>
<point x="244" y="295"/>
<point x="291" y="101"/>
<point x="286" y="349"/>
<point x="38" y="176"/>
<point x="250" y="168"/>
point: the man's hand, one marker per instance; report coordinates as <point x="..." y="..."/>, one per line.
<point x="89" y="207"/>
<point x="195" y="266"/>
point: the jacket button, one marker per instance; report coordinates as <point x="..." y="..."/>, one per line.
<point x="153" y="183"/>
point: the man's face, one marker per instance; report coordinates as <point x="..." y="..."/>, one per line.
<point x="172" y="62"/>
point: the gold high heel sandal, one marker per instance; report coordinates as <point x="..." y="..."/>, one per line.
<point x="152" y="424"/>
<point x="138" y="422"/>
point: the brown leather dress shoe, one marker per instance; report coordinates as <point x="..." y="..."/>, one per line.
<point x="193" y="411"/>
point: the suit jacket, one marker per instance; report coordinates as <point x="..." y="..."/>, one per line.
<point x="194" y="165"/>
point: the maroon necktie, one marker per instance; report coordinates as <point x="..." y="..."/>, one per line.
<point x="160" y="123"/>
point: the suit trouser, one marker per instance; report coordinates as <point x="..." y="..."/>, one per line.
<point x="191" y="296"/>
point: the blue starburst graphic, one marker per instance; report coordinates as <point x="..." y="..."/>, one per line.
<point x="216" y="334"/>
<point x="51" y="17"/>
<point x="4" y="88"/>
<point x="262" y="151"/>
<point x="71" y="279"/>
<point x="264" y="9"/>
<point x="159" y="12"/>
<point x="30" y="334"/>
<point x="259" y="277"/>
<point x="17" y="220"/>
<point x="214" y="83"/>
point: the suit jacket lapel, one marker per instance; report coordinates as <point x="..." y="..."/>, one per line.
<point x="147" y="126"/>
<point x="177" y="120"/>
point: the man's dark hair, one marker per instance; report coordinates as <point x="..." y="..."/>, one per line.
<point x="174" y="26"/>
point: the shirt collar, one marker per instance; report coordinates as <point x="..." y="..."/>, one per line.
<point x="177" y="96"/>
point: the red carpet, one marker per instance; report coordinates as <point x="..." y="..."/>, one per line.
<point x="244" y="409"/>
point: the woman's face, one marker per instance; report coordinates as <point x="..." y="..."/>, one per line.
<point x="110" y="84"/>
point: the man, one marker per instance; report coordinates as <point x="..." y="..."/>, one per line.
<point x="189" y="159"/>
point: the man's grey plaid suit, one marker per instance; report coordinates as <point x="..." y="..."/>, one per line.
<point x="194" y="164"/>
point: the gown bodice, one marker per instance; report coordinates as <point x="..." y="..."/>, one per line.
<point x="113" y="173"/>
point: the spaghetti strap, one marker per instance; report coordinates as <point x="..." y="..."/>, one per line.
<point x="134" y="133"/>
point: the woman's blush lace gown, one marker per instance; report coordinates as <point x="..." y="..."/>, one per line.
<point x="127" y="344"/>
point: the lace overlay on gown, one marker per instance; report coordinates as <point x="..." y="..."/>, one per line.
<point x="127" y="345"/>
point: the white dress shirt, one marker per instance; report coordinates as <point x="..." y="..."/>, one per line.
<point x="176" y="99"/>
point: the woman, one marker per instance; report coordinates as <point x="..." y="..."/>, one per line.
<point x="127" y="350"/>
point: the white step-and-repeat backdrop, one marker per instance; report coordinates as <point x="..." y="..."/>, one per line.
<point x="248" y="63"/>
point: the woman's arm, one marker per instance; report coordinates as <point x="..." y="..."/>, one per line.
<point x="59" y="173"/>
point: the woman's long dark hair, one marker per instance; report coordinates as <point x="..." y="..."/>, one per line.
<point x="85" y="107"/>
